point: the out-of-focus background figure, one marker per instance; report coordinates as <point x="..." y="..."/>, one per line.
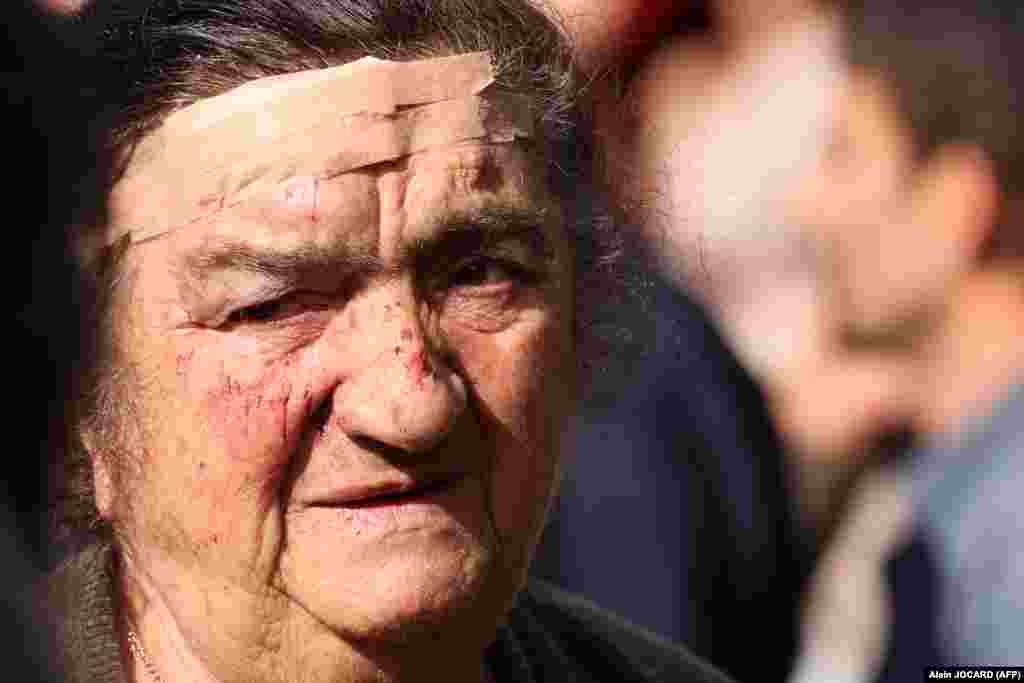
<point x="917" y="207"/>
<point x="712" y="128"/>
<point x="708" y="111"/>
<point x="712" y="115"/>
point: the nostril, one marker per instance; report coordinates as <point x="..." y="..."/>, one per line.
<point x="372" y="445"/>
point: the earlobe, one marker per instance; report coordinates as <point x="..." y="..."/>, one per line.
<point x="102" y="481"/>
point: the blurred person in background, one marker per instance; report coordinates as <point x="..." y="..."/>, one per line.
<point x="710" y="131"/>
<point x="916" y="208"/>
<point x="708" y="111"/>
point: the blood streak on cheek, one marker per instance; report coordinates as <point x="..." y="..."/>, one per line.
<point x="258" y="425"/>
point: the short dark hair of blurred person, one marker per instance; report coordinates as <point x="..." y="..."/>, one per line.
<point x="917" y="208"/>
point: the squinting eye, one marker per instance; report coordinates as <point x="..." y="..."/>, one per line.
<point x="283" y="307"/>
<point x="488" y="271"/>
<point x="257" y="313"/>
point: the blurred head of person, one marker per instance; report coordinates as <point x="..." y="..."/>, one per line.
<point x="915" y="202"/>
<point x="714" y="115"/>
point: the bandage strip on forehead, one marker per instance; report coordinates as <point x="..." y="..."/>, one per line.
<point x="313" y="124"/>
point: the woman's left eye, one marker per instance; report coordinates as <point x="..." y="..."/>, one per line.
<point x="257" y="313"/>
<point x="484" y="272"/>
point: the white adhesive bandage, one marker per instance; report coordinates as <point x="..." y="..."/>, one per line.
<point x="315" y="125"/>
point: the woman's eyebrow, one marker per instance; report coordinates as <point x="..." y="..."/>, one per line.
<point x="457" y="233"/>
<point x="463" y="232"/>
<point x="286" y="264"/>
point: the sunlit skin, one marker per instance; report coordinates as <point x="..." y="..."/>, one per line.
<point x="405" y="332"/>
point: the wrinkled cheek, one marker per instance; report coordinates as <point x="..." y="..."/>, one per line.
<point x="525" y="388"/>
<point x="243" y="431"/>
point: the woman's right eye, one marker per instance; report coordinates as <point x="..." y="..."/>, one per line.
<point x="264" y="311"/>
<point x="291" y="305"/>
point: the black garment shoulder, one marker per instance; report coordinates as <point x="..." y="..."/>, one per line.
<point x="563" y="637"/>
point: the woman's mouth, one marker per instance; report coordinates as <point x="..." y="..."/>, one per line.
<point x="391" y="493"/>
<point x="417" y="493"/>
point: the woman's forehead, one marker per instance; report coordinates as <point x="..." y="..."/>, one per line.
<point x="261" y="139"/>
<point x="383" y="210"/>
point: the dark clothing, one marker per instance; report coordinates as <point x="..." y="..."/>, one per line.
<point x="912" y="578"/>
<point x="550" y="637"/>
<point x="675" y="511"/>
<point x="554" y="637"/>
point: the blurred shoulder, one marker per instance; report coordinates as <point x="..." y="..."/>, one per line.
<point x="564" y="631"/>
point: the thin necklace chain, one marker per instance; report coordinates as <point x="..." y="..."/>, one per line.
<point x="139" y="652"/>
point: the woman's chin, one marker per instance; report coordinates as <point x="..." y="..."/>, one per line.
<point x="403" y="595"/>
<point x="434" y="610"/>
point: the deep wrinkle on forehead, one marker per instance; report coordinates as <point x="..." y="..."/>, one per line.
<point x="310" y="127"/>
<point x="387" y="213"/>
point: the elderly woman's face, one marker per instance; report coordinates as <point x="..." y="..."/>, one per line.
<point x="349" y="405"/>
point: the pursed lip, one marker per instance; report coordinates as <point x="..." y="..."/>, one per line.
<point x="391" y="491"/>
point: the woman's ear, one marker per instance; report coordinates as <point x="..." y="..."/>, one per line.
<point x="102" y="479"/>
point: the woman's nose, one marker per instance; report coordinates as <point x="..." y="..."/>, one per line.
<point x="406" y="396"/>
